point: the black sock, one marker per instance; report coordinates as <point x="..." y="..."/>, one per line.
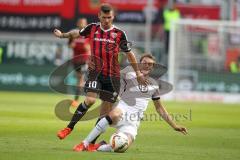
<point x="109" y="119"/>
<point x="78" y="114"/>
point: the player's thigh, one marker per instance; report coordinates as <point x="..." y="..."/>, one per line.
<point x="106" y="107"/>
<point x="115" y="114"/>
<point x="128" y="124"/>
<point x="90" y="98"/>
<point x="110" y="89"/>
<point x="129" y="129"/>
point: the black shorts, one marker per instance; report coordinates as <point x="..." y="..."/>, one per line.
<point x="107" y="87"/>
<point x="80" y="67"/>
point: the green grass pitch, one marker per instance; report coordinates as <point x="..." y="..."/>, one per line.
<point x="28" y="131"/>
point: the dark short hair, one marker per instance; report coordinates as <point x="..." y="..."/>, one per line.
<point x="106" y="8"/>
<point x="148" y="55"/>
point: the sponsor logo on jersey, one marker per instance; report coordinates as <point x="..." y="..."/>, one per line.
<point x="104" y="40"/>
<point x="113" y="35"/>
<point x="143" y="88"/>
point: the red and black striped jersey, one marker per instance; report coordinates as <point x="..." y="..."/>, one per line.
<point x="105" y="46"/>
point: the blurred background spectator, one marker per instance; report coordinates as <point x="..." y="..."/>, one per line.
<point x="81" y="53"/>
<point x="170" y="14"/>
<point x="235" y="66"/>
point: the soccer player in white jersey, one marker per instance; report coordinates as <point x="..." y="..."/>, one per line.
<point x="126" y="116"/>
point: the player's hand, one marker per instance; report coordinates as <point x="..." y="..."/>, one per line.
<point x="141" y="79"/>
<point x="181" y="129"/>
<point x="57" y="33"/>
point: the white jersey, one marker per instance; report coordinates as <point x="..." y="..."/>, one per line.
<point x="134" y="101"/>
<point x="134" y="95"/>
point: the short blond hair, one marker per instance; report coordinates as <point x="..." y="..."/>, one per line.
<point x="148" y="55"/>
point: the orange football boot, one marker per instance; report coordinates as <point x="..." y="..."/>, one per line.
<point x="79" y="147"/>
<point x="92" y="147"/>
<point x="74" y="103"/>
<point x="64" y="133"/>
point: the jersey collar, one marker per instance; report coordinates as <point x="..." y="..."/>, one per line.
<point x="106" y="30"/>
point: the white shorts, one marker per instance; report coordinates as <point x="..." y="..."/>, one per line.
<point x="130" y="119"/>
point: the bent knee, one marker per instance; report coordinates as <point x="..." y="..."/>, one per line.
<point x="90" y="100"/>
<point x="115" y="115"/>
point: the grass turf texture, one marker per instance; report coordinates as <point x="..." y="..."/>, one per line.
<point x="29" y="126"/>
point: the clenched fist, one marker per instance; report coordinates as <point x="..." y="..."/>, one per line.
<point x="57" y="33"/>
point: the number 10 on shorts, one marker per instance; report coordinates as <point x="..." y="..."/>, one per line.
<point x="92" y="84"/>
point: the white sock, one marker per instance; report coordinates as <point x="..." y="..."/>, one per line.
<point x="105" y="148"/>
<point x="97" y="130"/>
<point x="85" y="143"/>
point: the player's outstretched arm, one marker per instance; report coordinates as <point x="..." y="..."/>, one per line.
<point x="70" y="34"/>
<point x="133" y="61"/>
<point x="164" y="114"/>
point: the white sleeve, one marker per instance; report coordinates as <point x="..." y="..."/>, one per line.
<point x="123" y="82"/>
<point x="156" y="95"/>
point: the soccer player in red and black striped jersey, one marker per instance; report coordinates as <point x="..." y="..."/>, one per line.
<point x="106" y="41"/>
